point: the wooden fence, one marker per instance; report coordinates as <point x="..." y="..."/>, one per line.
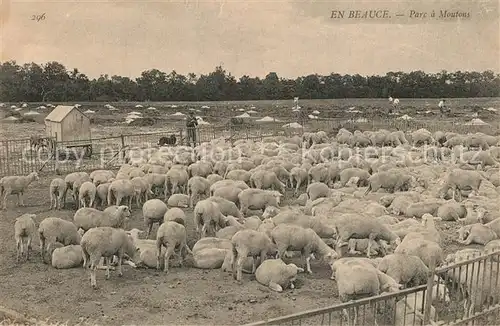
<point x="19" y="157"/>
<point x="450" y="291"/>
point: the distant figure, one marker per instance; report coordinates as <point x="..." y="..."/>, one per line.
<point x="442" y="107"/>
<point x="169" y="141"/>
<point x="191" y="124"/>
<point x="390" y="99"/>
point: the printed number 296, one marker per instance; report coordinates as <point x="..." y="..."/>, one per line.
<point x="38" y="17"/>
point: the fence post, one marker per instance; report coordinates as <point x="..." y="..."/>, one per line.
<point x="428" y="293"/>
<point x="122" y="150"/>
<point x="7" y="155"/>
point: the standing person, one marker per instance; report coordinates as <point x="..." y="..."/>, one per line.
<point x="442" y="107"/>
<point x="191" y="124"/>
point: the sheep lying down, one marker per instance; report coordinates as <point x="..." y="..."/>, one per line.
<point x="277" y="275"/>
<point x="215" y="253"/>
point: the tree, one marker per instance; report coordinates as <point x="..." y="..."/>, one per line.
<point x="53" y="82"/>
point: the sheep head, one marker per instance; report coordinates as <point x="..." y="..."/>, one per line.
<point x="481" y="212"/>
<point x="464" y="232"/>
<point x="34" y="176"/>
<point x="124" y="211"/>
<point x="269" y="212"/>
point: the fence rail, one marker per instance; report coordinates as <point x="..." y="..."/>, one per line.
<point x="19" y="156"/>
<point x="466" y="291"/>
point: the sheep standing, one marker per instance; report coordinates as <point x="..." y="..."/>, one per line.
<point x="357" y="278"/>
<point x="246" y="243"/>
<point x="360" y="227"/>
<point x="113" y="216"/>
<point x="390" y="181"/>
<point x="263" y="179"/>
<point x="86" y="192"/>
<point x="196" y="187"/>
<point x="171" y="235"/>
<point x="277" y="275"/>
<point x="24" y="230"/>
<point x="175" y="178"/>
<point x="404" y="269"/>
<point x="53" y="229"/>
<point x="208" y="216"/>
<point x="106" y="242"/>
<point x="317" y="190"/>
<point x="458" y="180"/>
<point x="15" y="185"/>
<point x="293" y="237"/>
<point x="121" y="189"/>
<point x="258" y="199"/>
<point x="57" y="189"/>
<point x="153" y="211"/>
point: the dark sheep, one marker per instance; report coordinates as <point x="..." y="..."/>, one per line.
<point x="169" y="141"/>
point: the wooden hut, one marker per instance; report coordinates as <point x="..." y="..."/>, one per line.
<point x="69" y="126"/>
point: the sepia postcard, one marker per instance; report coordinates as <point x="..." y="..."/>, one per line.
<point x="249" y="162"/>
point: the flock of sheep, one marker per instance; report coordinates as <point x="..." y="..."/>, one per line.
<point x="373" y="193"/>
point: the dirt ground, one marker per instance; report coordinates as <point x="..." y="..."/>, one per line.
<point x="183" y="296"/>
<point x="144" y="296"/>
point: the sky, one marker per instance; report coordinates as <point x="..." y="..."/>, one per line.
<point x="248" y="37"/>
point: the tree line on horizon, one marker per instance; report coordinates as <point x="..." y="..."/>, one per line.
<point x="52" y="81"/>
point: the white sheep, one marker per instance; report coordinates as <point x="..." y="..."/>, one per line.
<point x="171" y="235"/>
<point x="86" y="192"/>
<point x="176" y="179"/>
<point x="298" y="177"/>
<point x="458" y="180"/>
<point x="113" y="216"/>
<point x="428" y="251"/>
<point x="121" y="189"/>
<point x="226" y="207"/>
<point x="57" y="189"/>
<point x="390" y="181"/>
<point x="24" y="230"/>
<point x="65" y="257"/>
<point x="178" y="200"/>
<point x="230" y="192"/>
<point x="207" y="216"/>
<point x="153" y="211"/>
<point x="175" y="214"/>
<point x="258" y="199"/>
<point x="213" y="178"/>
<point x="196" y="187"/>
<point x="476" y="233"/>
<point x="277" y="275"/>
<point x="360" y="279"/>
<point x="293" y="237"/>
<point x="106" y="242"/>
<point x="71" y="178"/>
<point x="239" y="175"/>
<point x="15" y="185"/>
<point x="346" y="174"/>
<point x="147" y="256"/>
<point x="53" y="229"/>
<point x="101" y="198"/>
<point x="360" y="227"/>
<point x="264" y="179"/>
<point x="317" y="190"/>
<point x="101" y="176"/>
<point x="223" y="183"/>
<point x="246" y="243"/>
<point x="360" y="246"/>
<point x="404" y="269"/>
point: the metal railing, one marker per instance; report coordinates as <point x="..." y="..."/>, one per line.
<point x="19" y="157"/>
<point x="463" y="292"/>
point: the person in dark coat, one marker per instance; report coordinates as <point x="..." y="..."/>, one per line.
<point x="191" y="125"/>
